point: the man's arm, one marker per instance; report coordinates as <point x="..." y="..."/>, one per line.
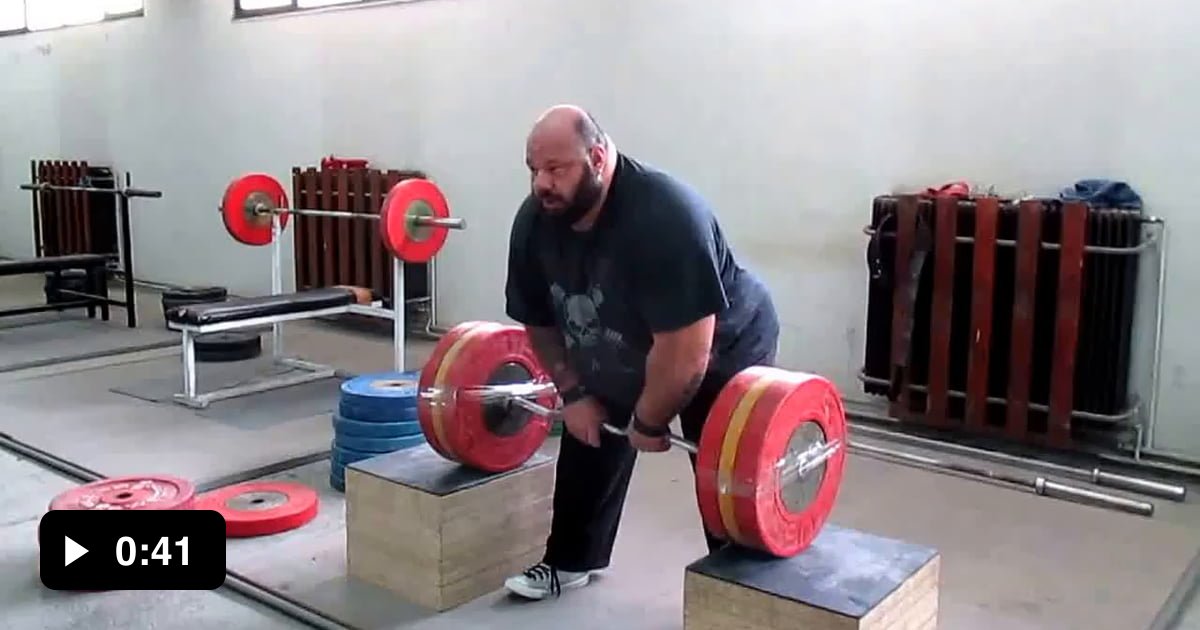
<point x="548" y="345"/>
<point x="675" y="367"/>
<point x="679" y="294"/>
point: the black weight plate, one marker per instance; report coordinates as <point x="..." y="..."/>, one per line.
<point x="192" y="295"/>
<point x="69" y="279"/>
<point x="227" y="346"/>
<point x="65" y="276"/>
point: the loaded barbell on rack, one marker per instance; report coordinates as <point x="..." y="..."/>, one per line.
<point x="414" y="219"/>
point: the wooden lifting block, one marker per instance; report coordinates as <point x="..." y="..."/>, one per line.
<point x="847" y="580"/>
<point x="440" y="534"/>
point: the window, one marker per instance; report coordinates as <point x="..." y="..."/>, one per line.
<point x="24" y="16"/>
<point x="249" y="8"/>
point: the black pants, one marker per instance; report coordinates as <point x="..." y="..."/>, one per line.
<point x="591" y="484"/>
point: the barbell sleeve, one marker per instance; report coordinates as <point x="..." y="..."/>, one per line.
<point x="450" y="224"/>
<point x="1141" y="486"/>
<point x="1057" y="490"/>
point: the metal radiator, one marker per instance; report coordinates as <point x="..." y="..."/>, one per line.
<point x="331" y="251"/>
<point x="1001" y="317"/>
<point x="73" y="222"/>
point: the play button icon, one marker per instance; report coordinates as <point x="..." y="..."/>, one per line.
<point x="72" y="551"/>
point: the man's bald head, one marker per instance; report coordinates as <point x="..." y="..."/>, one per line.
<point x="567" y="154"/>
<point x="563" y="123"/>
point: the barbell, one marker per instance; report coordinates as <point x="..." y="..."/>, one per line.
<point x="414" y="218"/>
<point x="120" y="192"/>
<point x="768" y="462"/>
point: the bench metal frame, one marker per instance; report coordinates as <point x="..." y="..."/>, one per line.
<point x="123" y="256"/>
<point x="308" y="371"/>
<point x="90" y="299"/>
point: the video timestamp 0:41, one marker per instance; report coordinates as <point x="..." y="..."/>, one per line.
<point x="102" y="550"/>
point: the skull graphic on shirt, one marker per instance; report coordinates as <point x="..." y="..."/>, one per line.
<point x="581" y="316"/>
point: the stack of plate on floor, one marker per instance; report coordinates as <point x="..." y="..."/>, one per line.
<point x="377" y="414"/>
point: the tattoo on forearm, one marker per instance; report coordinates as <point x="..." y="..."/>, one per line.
<point x="689" y="391"/>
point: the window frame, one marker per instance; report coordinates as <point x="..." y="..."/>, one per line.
<point x="108" y="17"/>
<point x="293" y="7"/>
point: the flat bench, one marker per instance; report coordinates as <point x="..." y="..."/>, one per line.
<point x="210" y="316"/>
<point x="24" y="266"/>
<point x="94" y="296"/>
<point x="193" y="320"/>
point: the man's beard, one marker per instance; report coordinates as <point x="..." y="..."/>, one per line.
<point x="587" y="192"/>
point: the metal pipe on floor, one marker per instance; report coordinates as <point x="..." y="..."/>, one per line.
<point x="1156" y="361"/>
<point x="262" y="471"/>
<point x="1180" y="599"/>
<point x="1099" y="477"/>
<point x="234" y="581"/>
<point x="1040" y="485"/>
<point x="281" y="603"/>
<point x="48" y="460"/>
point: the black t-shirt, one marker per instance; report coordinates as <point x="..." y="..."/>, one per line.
<point x="656" y="260"/>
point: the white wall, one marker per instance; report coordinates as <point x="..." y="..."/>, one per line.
<point x="791" y="116"/>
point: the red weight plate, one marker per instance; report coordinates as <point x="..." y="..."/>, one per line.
<point x="139" y="492"/>
<point x="260" y="508"/>
<point x="237" y="208"/>
<point x="490" y="437"/>
<point x="709" y="448"/>
<point x="428" y="408"/>
<point x="783" y="516"/>
<point x="407" y="199"/>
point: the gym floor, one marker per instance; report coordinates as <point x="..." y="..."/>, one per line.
<point x="1010" y="559"/>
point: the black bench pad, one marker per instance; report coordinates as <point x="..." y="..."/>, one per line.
<point x="239" y="309"/>
<point x="51" y="263"/>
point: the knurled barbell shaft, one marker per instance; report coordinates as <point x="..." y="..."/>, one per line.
<point x="450" y="223"/>
<point x="128" y="192"/>
<point x="529" y="405"/>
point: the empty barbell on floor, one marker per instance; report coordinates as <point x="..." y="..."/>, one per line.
<point x="414" y="218"/>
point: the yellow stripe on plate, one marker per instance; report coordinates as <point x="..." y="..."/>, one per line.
<point x="439" y="380"/>
<point x="726" y="490"/>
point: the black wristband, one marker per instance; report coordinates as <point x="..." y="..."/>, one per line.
<point x="645" y="429"/>
<point x="573" y="395"/>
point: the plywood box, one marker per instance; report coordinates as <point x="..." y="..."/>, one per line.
<point x="847" y="580"/>
<point x="439" y="534"/>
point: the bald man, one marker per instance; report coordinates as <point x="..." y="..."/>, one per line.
<point x="638" y="309"/>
